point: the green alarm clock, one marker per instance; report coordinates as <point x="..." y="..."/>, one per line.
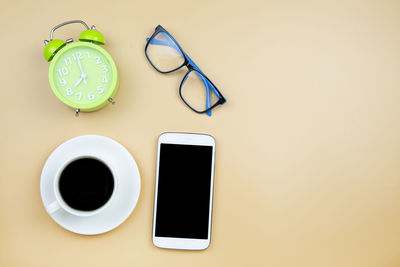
<point x="81" y="74"/>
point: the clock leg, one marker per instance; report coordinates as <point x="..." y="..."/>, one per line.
<point x="77" y="112"/>
<point x="111" y="101"/>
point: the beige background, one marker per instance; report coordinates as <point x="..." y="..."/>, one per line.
<point x="308" y="146"/>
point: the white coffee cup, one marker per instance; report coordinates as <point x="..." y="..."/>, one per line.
<point x="59" y="202"/>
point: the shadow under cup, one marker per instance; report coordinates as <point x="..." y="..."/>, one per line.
<point x="86" y="184"/>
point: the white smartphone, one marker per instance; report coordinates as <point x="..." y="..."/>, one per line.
<point x="183" y="195"/>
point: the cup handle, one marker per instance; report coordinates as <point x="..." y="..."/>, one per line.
<point x="53" y="207"/>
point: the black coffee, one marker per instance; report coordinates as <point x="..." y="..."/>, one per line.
<point x="86" y="184"/>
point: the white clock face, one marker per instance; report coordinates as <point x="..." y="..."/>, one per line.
<point x="83" y="75"/>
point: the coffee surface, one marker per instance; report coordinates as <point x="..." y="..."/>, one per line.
<point x="86" y="184"/>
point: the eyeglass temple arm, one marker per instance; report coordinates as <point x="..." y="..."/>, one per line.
<point x="205" y="81"/>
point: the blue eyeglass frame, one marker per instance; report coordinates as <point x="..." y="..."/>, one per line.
<point x="191" y="67"/>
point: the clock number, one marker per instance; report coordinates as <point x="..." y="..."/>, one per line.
<point x="98" y="61"/>
<point x="77" y="55"/>
<point x="63" y="71"/>
<point x="100" y="89"/>
<point x="68" y="61"/>
<point x="90" y="96"/>
<point x="88" y="54"/>
<point x="69" y="91"/>
<point x="63" y="82"/>
<point x="79" y="95"/>
<point x="104" y="80"/>
<point x="105" y="70"/>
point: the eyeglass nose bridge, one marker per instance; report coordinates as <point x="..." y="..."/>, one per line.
<point x="189" y="65"/>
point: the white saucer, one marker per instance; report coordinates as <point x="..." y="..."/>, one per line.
<point x="127" y="193"/>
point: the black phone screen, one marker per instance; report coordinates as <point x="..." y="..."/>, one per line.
<point x="183" y="195"/>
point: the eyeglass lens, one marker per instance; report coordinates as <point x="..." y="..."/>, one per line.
<point x="195" y="92"/>
<point x="163" y="53"/>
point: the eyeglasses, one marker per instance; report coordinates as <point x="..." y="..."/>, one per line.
<point x="196" y="90"/>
